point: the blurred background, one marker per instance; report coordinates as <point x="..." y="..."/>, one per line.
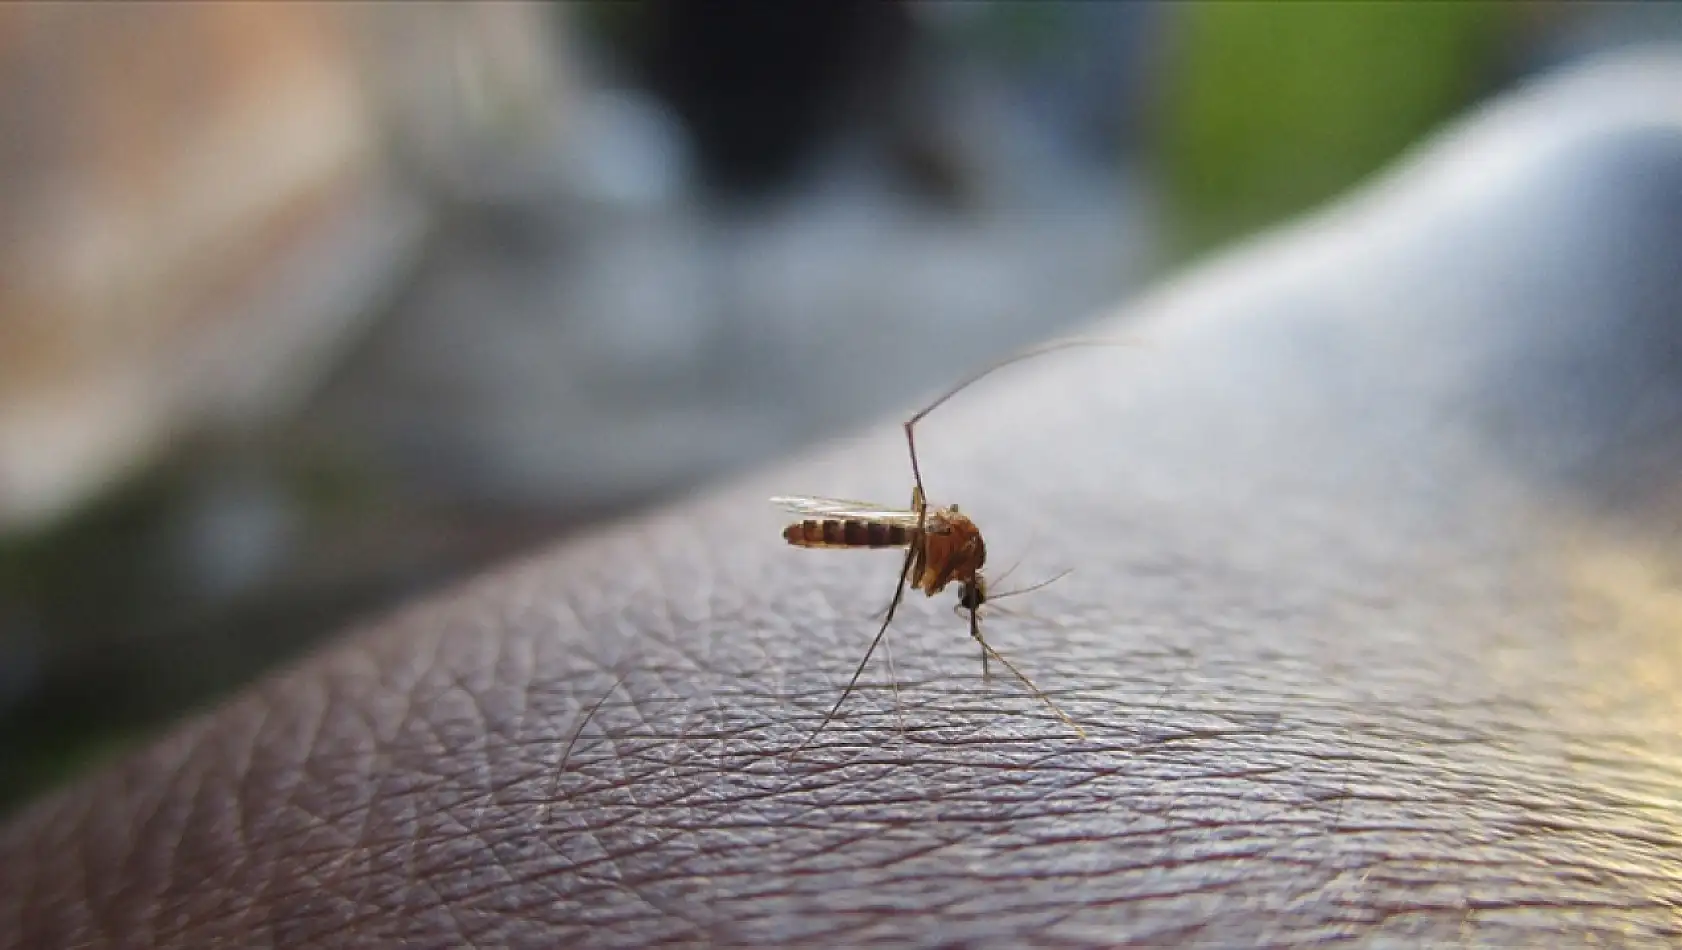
<point x="306" y="309"/>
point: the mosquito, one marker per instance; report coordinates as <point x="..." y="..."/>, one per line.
<point x="943" y="546"/>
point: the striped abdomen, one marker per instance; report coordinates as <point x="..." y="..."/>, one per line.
<point x="848" y="533"/>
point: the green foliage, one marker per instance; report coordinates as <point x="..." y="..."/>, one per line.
<point x="1275" y="107"/>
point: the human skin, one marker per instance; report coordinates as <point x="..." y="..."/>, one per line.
<point x="1373" y="624"/>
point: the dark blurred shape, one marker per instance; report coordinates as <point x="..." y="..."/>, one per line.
<point x="763" y="85"/>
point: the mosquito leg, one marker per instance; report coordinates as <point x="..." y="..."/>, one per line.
<point x="899" y="594"/>
<point x="893" y="682"/>
<point x="972" y="379"/>
<point x="987" y="649"/>
<point x="919" y="497"/>
<point x="919" y="504"/>
<point x="589" y="714"/>
<point x="918" y="494"/>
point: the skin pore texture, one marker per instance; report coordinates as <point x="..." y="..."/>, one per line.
<point x="1374" y="624"/>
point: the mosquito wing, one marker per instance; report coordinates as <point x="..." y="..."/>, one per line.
<point x="836" y="509"/>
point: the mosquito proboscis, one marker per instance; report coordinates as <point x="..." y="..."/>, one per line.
<point x="942" y="545"/>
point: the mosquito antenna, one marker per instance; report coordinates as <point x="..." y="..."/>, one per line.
<point x="1033" y="535"/>
<point x="975" y="631"/>
<point x="899" y="594"/>
<point x="993" y="607"/>
<point x="1032" y="587"/>
<point x="960" y="610"/>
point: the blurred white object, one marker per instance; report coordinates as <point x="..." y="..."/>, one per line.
<point x="626" y="148"/>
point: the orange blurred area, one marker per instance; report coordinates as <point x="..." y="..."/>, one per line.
<point x="169" y="168"/>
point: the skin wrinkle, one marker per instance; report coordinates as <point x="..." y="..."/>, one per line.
<point x="615" y="860"/>
<point x="203" y="814"/>
<point x="311" y="881"/>
<point x="149" y="869"/>
<point x="442" y="836"/>
<point x="268" y="719"/>
<point x="360" y="845"/>
<point x="263" y="803"/>
<point x="240" y="769"/>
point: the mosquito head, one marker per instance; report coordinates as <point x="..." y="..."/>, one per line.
<point x="956" y="545"/>
<point x="972" y="595"/>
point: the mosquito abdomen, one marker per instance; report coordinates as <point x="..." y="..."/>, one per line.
<point x="849" y="533"/>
